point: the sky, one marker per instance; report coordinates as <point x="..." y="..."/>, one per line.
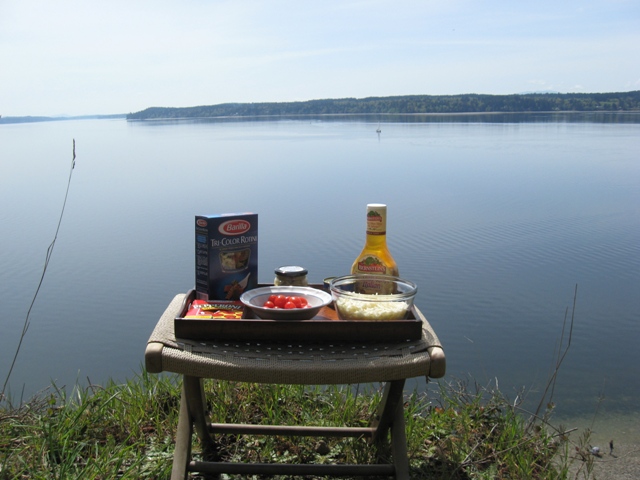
<point x="81" y="57"/>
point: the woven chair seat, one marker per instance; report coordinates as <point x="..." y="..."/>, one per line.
<point x="293" y="362"/>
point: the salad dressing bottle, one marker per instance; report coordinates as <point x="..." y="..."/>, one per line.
<point x="375" y="257"/>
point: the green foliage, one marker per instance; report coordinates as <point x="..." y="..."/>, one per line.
<point x="480" y="435"/>
<point x="128" y="431"/>
<point x="119" y="431"/>
<point x="410" y="104"/>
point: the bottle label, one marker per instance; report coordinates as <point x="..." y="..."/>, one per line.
<point x="377" y="221"/>
<point x="373" y="287"/>
<point x="370" y="264"/>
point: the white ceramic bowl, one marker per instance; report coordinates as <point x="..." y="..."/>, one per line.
<point x="255" y="298"/>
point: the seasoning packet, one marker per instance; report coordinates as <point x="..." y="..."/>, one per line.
<point x="202" y="309"/>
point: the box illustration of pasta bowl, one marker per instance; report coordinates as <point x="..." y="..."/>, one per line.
<point x="226" y="248"/>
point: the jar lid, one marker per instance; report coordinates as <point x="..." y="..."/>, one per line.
<point x="291" y="271"/>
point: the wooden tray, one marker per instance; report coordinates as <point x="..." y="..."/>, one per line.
<point x="323" y="328"/>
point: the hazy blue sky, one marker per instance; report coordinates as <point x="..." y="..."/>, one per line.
<point x="118" y="56"/>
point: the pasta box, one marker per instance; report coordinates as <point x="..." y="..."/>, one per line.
<point x="226" y="247"/>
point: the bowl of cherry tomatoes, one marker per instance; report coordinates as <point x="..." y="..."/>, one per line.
<point x="285" y="302"/>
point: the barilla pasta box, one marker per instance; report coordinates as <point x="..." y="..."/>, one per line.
<point x="226" y="255"/>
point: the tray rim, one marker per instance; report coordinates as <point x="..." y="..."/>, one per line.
<point x="320" y="330"/>
<point x="190" y="296"/>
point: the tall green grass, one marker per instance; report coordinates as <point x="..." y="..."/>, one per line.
<point x="128" y="431"/>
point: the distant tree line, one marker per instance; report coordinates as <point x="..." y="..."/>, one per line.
<point x="411" y="104"/>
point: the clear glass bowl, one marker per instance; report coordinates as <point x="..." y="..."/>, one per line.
<point x="372" y="297"/>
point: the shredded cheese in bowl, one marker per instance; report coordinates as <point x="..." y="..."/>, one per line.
<point x="369" y="307"/>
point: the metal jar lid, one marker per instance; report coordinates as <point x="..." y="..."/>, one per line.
<point x="291" y="271"/>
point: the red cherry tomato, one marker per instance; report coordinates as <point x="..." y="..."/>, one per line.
<point x="288" y="302"/>
<point x="280" y="301"/>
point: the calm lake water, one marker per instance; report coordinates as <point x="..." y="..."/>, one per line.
<point x="496" y="218"/>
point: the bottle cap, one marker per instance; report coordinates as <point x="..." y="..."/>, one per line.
<point x="376" y="219"/>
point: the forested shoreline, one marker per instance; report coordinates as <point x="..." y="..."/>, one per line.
<point x="410" y="104"/>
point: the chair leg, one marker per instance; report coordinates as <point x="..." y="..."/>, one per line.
<point x="390" y="416"/>
<point x="182" y="453"/>
<point x="399" y="444"/>
<point x="385" y="414"/>
<point x="196" y="402"/>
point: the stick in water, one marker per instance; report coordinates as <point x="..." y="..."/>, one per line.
<point x="25" y="327"/>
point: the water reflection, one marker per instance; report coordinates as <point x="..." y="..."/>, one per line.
<point x="492" y="117"/>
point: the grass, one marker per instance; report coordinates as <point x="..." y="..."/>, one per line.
<point x="128" y="430"/>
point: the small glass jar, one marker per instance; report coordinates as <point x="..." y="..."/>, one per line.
<point x="327" y="283"/>
<point x="291" y="275"/>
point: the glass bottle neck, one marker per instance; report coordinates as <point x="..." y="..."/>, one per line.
<point x="376" y="241"/>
